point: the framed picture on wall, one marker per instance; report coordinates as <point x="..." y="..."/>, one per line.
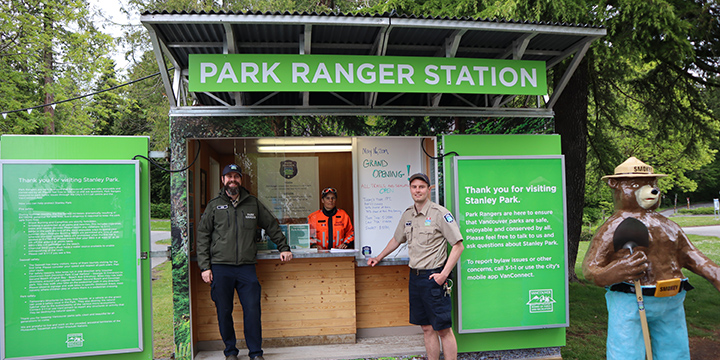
<point x="203" y="187"/>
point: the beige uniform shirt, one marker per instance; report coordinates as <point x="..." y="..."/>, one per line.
<point x="426" y="233"/>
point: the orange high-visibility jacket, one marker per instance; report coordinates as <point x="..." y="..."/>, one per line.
<point x="343" y="231"/>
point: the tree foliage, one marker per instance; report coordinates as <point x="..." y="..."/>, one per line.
<point x="49" y="51"/>
<point x="651" y="83"/>
<point x="648" y="89"/>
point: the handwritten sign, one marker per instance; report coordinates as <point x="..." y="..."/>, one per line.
<point x="384" y="167"/>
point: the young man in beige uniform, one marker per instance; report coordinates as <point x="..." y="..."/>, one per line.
<point x="426" y="227"/>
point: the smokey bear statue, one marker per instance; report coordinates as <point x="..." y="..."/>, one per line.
<point x="649" y="248"/>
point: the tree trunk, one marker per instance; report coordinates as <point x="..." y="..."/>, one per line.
<point x="460" y="125"/>
<point x="571" y="123"/>
<point x="47" y="74"/>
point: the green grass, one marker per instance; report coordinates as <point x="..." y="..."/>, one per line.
<point x="588" y="313"/>
<point x="685" y="221"/>
<point x="163" y="345"/>
<point x="159" y="225"/>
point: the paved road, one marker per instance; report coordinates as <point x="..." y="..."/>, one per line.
<point x="154" y="237"/>
<point x="697" y="230"/>
<point x="670" y="212"/>
<point x="703" y="230"/>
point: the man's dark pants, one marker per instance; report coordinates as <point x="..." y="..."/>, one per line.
<point x="228" y="279"/>
<point x="428" y="303"/>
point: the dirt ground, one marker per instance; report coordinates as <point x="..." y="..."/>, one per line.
<point x="702" y="348"/>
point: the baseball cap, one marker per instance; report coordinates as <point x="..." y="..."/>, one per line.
<point x="231" y="168"/>
<point x="420" y="176"/>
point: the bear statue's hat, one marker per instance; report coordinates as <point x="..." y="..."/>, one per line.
<point x="633" y="167"/>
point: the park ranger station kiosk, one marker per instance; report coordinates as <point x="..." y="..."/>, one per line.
<point x="220" y="67"/>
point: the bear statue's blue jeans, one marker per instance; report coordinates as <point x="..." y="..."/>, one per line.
<point x="666" y="320"/>
<point x="228" y="279"/>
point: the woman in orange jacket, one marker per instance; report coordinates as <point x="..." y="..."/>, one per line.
<point x="331" y="226"/>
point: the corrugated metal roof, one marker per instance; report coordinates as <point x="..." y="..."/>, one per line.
<point x="179" y="34"/>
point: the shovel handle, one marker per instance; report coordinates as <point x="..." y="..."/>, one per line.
<point x="643" y="319"/>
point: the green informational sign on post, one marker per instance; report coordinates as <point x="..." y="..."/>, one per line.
<point x="70" y="258"/>
<point x="338" y="73"/>
<point x="511" y="213"/>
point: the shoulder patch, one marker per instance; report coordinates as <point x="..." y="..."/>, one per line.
<point x="222" y="207"/>
<point x="449" y="218"/>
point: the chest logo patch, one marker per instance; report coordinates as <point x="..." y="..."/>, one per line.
<point x="428" y="221"/>
<point x="250" y="216"/>
<point x="222" y="207"/>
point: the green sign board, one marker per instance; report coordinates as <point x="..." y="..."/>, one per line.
<point x="340" y="73"/>
<point x="70" y="258"/>
<point x="511" y="211"/>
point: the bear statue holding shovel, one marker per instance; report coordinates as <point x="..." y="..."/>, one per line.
<point x="638" y="255"/>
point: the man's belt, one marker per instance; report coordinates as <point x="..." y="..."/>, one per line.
<point x="650" y="290"/>
<point x="423" y="272"/>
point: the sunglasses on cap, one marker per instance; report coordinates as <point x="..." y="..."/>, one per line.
<point x="328" y="191"/>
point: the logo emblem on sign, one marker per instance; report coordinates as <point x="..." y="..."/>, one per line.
<point x="74" y="340"/>
<point x="541" y="301"/>
<point x="288" y="169"/>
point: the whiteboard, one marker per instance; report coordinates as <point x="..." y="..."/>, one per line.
<point x="383" y="167"/>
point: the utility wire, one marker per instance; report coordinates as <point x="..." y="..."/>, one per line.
<point x="197" y="154"/>
<point x="4" y="113"/>
<point x="422" y="146"/>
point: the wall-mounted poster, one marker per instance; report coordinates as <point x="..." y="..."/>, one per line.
<point x="70" y="259"/>
<point x="289" y="185"/>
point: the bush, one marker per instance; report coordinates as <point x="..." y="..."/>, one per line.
<point x="160" y="211"/>
<point x="698" y="211"/>
<point x="591" y="215"/>
<point x="597" y="213"/>
<point x="586" y="234"/>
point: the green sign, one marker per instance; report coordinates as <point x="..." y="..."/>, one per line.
<point x="341" y="73"/>
<point x="512" y="272"/>
<point x="70" y="258"/>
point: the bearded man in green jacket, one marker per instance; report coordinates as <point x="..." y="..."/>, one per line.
<point x="226" y="253"/>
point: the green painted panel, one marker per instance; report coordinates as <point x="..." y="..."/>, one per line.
<point x="500" y="145"/>
<point x="36" y="147"/>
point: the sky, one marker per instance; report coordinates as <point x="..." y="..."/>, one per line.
<point x="111" y="21"/>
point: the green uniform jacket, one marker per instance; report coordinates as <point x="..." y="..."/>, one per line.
<point x="226" y="234"/>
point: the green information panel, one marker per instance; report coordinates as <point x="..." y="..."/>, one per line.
<point x="512" y="272"/>
<point x="70" y="258"/>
